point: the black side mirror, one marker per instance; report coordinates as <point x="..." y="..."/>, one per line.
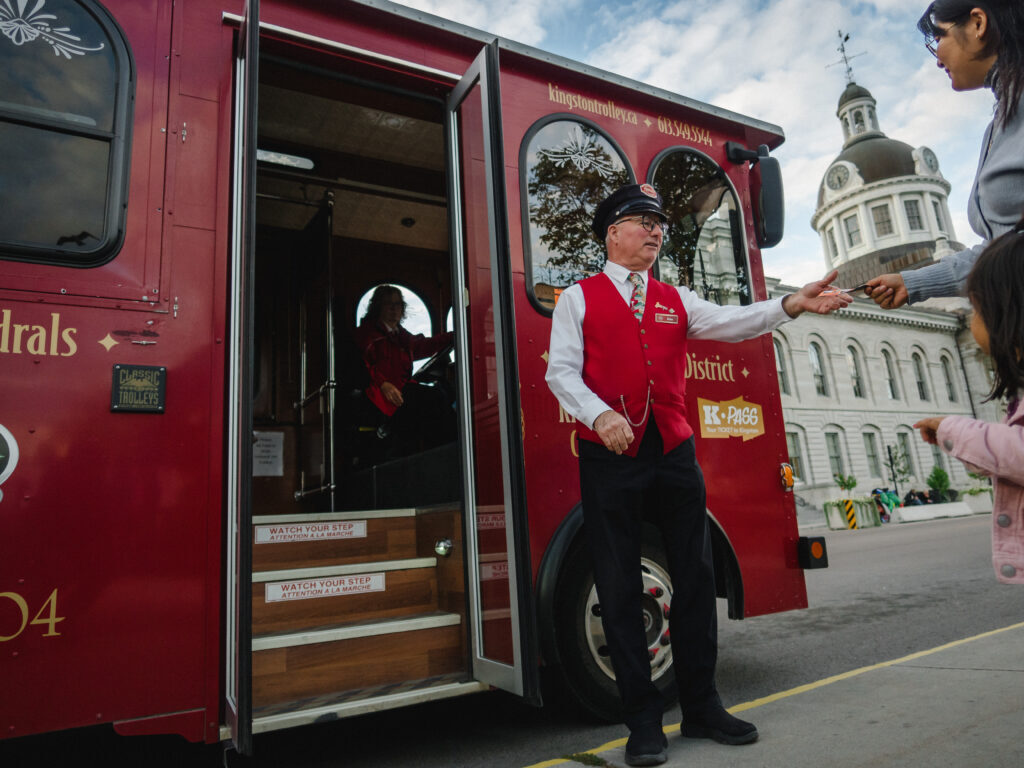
<point x="766" y="192"/>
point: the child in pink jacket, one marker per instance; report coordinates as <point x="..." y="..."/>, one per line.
<point x="996" y="290"/>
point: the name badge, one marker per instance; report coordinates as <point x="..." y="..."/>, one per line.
<point x="662" y="317"/>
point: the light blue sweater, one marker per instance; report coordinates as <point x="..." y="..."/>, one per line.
<point x="996" y="204"/>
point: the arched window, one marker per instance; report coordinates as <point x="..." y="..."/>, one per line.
<point x="794" y="445"/>
<point x="66" y="90"/>
<point x="817" y="361"/>
<point x="871" y="453"/>
<point x="856" y="375"/>
<point x="704" y="246"/>
<point x="780" y="367"/>
<point x="834" y="446"/>
<point x="891" y="384"/>
<point x="568" y="167"/>
<point x="416" y="318"/>
<point x="919" y="376"/>
<point x="947" y="376"/>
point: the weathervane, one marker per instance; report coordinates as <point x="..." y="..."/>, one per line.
<point x="843" y="39"/>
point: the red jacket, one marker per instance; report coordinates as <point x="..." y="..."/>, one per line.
<point x="389" y="354"/>
<point x="641" y="365"/>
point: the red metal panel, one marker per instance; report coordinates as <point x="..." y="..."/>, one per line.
<point x="758" y="518"/>
<point x="117" y="515"/>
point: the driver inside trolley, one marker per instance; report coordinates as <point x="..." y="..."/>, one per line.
<point x="418" y="416"/>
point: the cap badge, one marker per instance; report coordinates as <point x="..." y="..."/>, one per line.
<point x="648" y="190"/>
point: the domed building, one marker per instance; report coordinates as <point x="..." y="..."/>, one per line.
<point x="882" y="204"/>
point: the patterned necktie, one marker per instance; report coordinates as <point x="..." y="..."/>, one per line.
<point x="636" y="301"/>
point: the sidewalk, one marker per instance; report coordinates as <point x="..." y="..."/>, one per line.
<point x="957" y="706"/>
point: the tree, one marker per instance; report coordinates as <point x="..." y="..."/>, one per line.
<point x="845" y="482"/>
<point x="938" y="481"/>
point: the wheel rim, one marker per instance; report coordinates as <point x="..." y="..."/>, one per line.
<point x="657" y="605"/>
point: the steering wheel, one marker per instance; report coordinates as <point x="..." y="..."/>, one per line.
<point x="426" y="371"/>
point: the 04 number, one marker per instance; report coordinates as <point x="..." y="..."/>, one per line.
<point x="45" y="616"/>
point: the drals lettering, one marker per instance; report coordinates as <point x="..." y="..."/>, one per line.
<point x="706" y="369"/>
<point x="679" y="129"/>
<point x="41" y="340"/>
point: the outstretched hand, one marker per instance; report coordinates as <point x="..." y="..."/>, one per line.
<point x="887" y="291"/>
<point x="820" y="297"/>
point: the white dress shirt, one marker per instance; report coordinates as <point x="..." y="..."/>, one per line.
<point x="704" y="320"/>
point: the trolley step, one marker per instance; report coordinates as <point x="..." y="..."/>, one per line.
<point x="332" y="538"/>
<point x="291" y="666"/>
<point x="308" y="598"/>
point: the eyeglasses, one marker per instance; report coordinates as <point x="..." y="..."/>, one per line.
<point x="647" y="221"/>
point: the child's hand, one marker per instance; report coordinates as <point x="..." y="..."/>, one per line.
<point x="928" y="428"/>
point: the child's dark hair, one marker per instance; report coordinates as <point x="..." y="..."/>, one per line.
<point x="996" y="290"/>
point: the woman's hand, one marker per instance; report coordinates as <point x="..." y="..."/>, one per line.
<point x="391" y="393"/>
<point x="888" y="291"/>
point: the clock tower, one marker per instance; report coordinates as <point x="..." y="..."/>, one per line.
<point x="882" y="203"/>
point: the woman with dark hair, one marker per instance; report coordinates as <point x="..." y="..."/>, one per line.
<point x="419" y="417"/>
<point x="979" y="43"/>
<point x="995" y="288"/>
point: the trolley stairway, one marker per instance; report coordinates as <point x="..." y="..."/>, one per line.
<point x="337" y="621"/>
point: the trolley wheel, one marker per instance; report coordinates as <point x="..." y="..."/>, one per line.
<point x="585" y="665"/>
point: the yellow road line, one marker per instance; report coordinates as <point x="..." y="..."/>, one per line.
<point x="800" y="689"/>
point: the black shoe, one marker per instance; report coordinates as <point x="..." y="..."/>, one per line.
<point x="715" y="723"/>
<point x="647" y="745"/>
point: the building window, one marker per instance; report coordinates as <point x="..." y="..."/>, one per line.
<point x="871" y="451"/>
<point x="913" y="210"/>
<point x="903" y="439"/>
<point x="66" y="99"/>
<point x="833" y="249"/>
<point x="796" y="459"/>
<point x="947" y="375"/>
<point x="780" y="367"/>
<point x="891" y="386"/>
<point x="856" y="377"/>
<point x="818" y="369"/>
<point x="939" y="221"/>
<point x="852" y="227"/>
<point x="919" y="376"/>
<point x="883" y="220"/>
<point x="835" y="454"/>
<point x="938" y="457"/>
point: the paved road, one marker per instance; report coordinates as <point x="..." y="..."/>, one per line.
<point x="888" y="592"/>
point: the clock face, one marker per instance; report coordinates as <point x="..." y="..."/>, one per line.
<point x="930" y="160"/>
<point x="837" y="176"/>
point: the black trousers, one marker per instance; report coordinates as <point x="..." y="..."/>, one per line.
<point x="619" y="493"/>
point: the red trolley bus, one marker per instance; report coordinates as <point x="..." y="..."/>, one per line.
<point x="206" y="530"/>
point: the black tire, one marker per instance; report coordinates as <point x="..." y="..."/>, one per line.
<point x="584" y="664"/>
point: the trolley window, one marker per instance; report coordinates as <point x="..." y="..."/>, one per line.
<point x="66" y="90"/>
<point x="567" y="166"/>
<point x="704" y="250"/>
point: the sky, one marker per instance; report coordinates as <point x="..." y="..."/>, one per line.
<point x="775" y="60"/>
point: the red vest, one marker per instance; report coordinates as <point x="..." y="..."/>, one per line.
<point x="636" y="364"/>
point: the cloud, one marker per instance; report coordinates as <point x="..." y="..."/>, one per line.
<point x="776" y="60"/>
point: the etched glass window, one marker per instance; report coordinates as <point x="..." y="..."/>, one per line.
<point x="568" y="168"/>
<point x="704" y="248"/>
<point x="65" y="111"/>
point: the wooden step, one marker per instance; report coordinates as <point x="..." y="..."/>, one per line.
<point x="332" y="538"/>
<point x="292" y="666"/>
<point x="308" y="598"/>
